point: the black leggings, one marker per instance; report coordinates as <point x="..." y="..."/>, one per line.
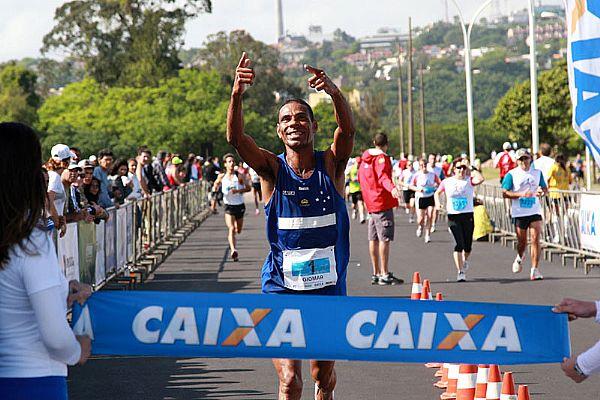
<point x="462" y="226"/>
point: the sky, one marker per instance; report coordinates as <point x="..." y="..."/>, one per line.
<point x="25" y="22"/>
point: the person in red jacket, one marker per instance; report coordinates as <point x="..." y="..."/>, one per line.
<point x="381" y="197"/>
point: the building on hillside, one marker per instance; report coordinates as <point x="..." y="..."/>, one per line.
<point x="384" y="39"/>
<point x="353" y="96"/>
<point x="543" y="32"/>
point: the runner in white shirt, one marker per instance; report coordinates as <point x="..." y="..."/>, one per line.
<point x="408" y="195"/>
<point x="233" y="186"/>
<point x="256" y="189"/>
<point x="523" y="185"/>
<point x="459" y="206"/>
<point x="424" y="183"/>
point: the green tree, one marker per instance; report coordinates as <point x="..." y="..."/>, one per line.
<point x="513" y="113"/>
<point x="18" y="98"/>
<point x="125" y="42"/>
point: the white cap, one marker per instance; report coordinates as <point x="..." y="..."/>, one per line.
<point x="61" y="152"/>
<point x="506" y="146"/>
<point x="92" y="158"/>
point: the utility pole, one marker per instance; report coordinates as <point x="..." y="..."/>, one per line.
<point x="422" y="108"/>
<point x="400" y="101"/>
<point x="411" y="134"/>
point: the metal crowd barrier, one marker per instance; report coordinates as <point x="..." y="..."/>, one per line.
<point x="98" y="253"/>
<point x="569" y="229"/>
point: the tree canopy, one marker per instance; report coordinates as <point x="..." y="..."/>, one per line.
<point x="125" y="42"/>
<point x="18" y="98"/>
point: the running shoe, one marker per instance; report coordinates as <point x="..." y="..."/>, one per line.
<point x="411" y="220"/>
<point x="535" y="275"/>
<point x="374" y="279"/>
<point x="432" y="228"/>
<point x="461" y="277"/>
<point x="419" y="230"/>
<point x="363" y="220"/>
<point x="397" y="280"/>
<point x="427" y="237"/>
<point x="353" y="214"/>
<point x="406" y="210"/>
<point x="235" y="256"/>
<point x="466" y="266"/>
<point x="256" y="212"/>
<point x="516" y="266"/>
<point x="387" y="280"/>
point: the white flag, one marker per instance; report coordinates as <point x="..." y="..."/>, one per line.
<point x="583" y="60"/>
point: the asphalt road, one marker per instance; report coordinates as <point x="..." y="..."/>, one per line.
<point x="202" y="264"/>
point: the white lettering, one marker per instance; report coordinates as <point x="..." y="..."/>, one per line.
<point x="140" y="322"/>
<point x="289" y="329"/>
<point x="182" y="327"/>
<point x="213" y="325"/>
<point x="458" y="324"/>
<point x="396" y="331"/>
<point x="427" y="330"/>
<point x="242" y="318"/>
<point x="502" y="334"/>
<point x="353" y="335"/>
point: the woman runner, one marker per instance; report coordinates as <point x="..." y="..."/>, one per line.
<point x="459" y="206"/>
<point x="424" y="183"/>
<point x="233" y="187"/>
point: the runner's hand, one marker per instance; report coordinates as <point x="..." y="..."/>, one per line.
<point x="576" y="308"/>
<point x="86" y="348"/>
<point x="79" y="292"/>
<point x="320" y="80"/>
<point x="244" y="75"/>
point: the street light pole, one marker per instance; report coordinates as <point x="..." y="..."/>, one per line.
<point x="411" y="135"/>
<point x="400" y="101"/>
<point x="467" y="55"/>
<point x="535" y="135"/>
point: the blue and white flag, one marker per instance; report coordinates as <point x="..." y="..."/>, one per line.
<point x="182" y="324"/>
<point x="583" y="60"/>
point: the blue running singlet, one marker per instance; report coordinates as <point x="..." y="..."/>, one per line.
<point x="308" y="233"/>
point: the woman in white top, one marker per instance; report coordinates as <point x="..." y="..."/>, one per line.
<point x="36" y="342"/>
<point x="459" y="206"/>
<point x="424" y="184"/>
<point x="233" y="186"/>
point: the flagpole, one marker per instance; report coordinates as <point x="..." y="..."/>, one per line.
<point x="588" y="168"/>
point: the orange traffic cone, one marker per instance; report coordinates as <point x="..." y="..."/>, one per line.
<point x="425" y="293"/>
<point x="508" y="387"/>
<point x="426" y="284"/>
<point x="494" y="383"/>
<point x="416" y="286"/>
<point x="450" y="392"/>
<point x="443" y="382"/>
<point x="523" y="393"/>
<point x="481" y="382"/>
<point x="438" y="296"/>
<point x="467" y="376"/>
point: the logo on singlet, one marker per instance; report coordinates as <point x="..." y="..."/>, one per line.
<point x="303" y="188"/>
<point x="289" y="192"/>
<point x="304" y="203"/>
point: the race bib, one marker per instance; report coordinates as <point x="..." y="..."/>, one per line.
<point x="309" y="269"/>
<point x="526" y="202"/>
<point x="428" y="190"/>
<point x="459" y="203"/>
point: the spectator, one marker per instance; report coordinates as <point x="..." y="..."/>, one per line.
<point x="191" y="168"/>
<point x="505" y="161"/>
<point x="211" y="173"/>
<point x="36" y="340"/>
<point x="158" y="167"/>
<point x="544" y="162"/>
<point x="76" y="154"/>
<point x="92" y="193"/>
<point x="121" y="184"/>
<point x="136" y="192"/>
<point x="94" y="160"/>
<point x="74" y="210"/>
<point x="578" y="368"/>
<point x="105" y="160"/>
<point x="559" y="179"/>
<point x="173" y="172"/>
<point x="145" y="172"/>
<point x="380" y="197"/>
<point x="57" y="197"/>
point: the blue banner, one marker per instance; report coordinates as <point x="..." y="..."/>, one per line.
<point x="182" y="324"/>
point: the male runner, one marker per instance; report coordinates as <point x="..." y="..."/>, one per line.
<point x="306" y="213"/>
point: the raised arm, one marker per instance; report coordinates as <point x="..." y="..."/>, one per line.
<point x="262" y="161"/>
<point x="343" y="138"/>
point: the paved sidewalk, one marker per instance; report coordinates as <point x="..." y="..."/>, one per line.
<point x="202" y="264"/>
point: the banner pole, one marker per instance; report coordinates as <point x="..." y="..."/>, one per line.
<point x="588" y="168"/>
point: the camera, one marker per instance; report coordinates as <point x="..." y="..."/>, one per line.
<point x="91" y="210"/>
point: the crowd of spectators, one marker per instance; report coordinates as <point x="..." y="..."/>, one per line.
<point x="82" y="189"/>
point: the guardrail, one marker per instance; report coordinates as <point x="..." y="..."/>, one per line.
<point x="571" y="220"/>
<point x="134" y="239"/>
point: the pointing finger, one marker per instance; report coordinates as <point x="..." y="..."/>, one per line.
<point x="243" y="60"/>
